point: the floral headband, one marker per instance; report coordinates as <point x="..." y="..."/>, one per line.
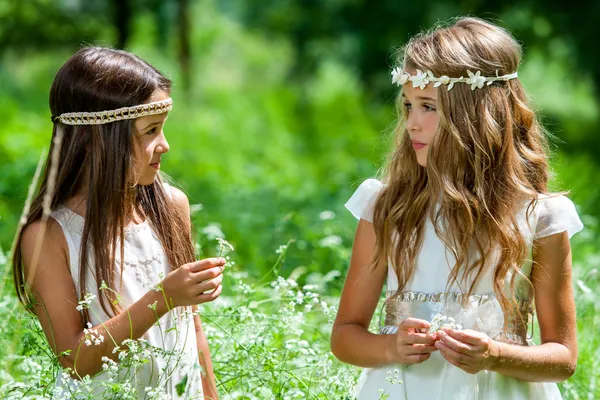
<point x="105" y="117"/>
<point x="422" y="79"/>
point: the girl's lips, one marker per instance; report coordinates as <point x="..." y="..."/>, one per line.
<point x="155" y="165"/>
<point x="418" y="145"/>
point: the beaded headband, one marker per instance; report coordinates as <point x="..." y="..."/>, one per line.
<point x="105" y="117"/>
<point x="421" y="79"/>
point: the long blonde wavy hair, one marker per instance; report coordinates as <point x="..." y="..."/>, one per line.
<point x="487" y="160"/>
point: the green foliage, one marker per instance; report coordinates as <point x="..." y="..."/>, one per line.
<point x="271" y="151"/>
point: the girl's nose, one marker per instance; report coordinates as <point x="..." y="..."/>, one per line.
<point x="163" y="146"/>
<point x="412" y="124"/>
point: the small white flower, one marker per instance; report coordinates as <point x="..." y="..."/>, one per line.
<point x="584" y="288"/>
<point x="86" y="302"/>
<point x="475" y="80"/>
<point x="224" y="246"/>
<point x="213" y="231"/>
<point x="330" y="241"/>
<point x="442" y="80"/>
<point x="282" y="249"/>
<point x="420" y="80"/>
<point x="399" y="77"/>
<point x="443" y="322"/>
<point x="3" y="258"/>
<point x="88" y="342"/>
<point x="326" y="215"/>
<point x="194" y="208"/>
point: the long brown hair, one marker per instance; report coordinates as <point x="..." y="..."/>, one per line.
<point x="487" y="160"/>
<point x="98" y="160"/>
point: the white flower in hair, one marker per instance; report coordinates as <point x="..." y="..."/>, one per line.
<point x="475" y="80"/>
<point x="444" y="79"/>
<point x="421" y="79"/>
<point x="399" y="77"/>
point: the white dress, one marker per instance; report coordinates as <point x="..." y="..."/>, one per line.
<point x="144" y="265"/>
<point x="426" y="295"/>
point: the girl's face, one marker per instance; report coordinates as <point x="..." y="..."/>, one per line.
<point x="421" y="117"/>
<point x="151" y="142"/>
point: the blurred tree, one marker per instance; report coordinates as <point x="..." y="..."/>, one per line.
<point x="36" y="24"/>
<point x="378" y="25"/>
<point x="185" y="51"/>
<point x="122" y="11"/>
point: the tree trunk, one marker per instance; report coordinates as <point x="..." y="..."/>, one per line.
<point x="122" y="18"/>
<point x="185" y="52"/>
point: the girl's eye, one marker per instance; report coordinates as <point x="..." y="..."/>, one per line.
<point x="407" y="106"/>
<point x="428" y="107"/>
<point x="151" y="131"/>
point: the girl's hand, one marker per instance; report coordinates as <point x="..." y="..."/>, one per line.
<point x="469" y="350"/>
<point x="186" y="286"/>
<point x="413" y="346"/>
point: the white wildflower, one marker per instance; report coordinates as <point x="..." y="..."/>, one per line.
<point x="213" y="231"/>
<point x="194" y="208"/>
<point x="326" y="215"/>
<point x="224" y="246"/>
<point x="86" y="302"/>
<point x="443" y="322"/>
<point x="330" y="241"/>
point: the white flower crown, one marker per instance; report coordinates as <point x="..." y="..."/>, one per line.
<point x="105" y="117"/>
<point x="422" y="79"/>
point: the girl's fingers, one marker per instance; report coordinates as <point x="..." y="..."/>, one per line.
<point x="207" y="263"/>
<point x="209" y="284"/>
<point x="420" y="349"/>
<point x="417" y="338"/>
<point x="453" y="356"/>
<point x="207" y="297"/>
<point x="466" y="336"/>
<point x="456" y="345"/>
<point x="207" y="274"/>
<point x="413" y="323"/>
<point x="415" y="358"/>
<point x="456" y="359"/>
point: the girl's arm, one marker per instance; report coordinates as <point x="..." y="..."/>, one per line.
<point x="553" y="360"/>
<point x="209" y="385"/>
<point x="351" y="341"/>
<point x="556" y="358"/>
<point x="56" y="300"/>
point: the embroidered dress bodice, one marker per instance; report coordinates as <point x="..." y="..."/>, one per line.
<point x="427" y="294"/>
<point x="144" y="265"/>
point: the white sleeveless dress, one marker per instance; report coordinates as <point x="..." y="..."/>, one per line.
<point x="144" y="266"/>
<point x="426" y="295"/>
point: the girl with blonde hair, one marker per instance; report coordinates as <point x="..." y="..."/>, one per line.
<point x="465" y="234"/>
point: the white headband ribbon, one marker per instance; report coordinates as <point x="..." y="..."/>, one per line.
<point x="422" y="79"/>
<point x="105" y="117"/>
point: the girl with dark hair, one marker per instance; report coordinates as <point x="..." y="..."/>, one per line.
<point x="105" y="256"/>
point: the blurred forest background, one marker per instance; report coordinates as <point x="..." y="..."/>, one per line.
<point x="282" y="107"/>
